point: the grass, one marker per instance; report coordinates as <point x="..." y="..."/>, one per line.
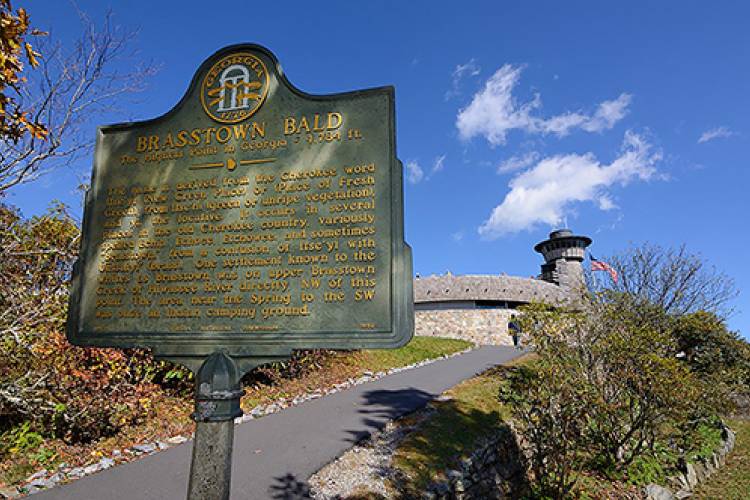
<point x="462" y="417"/>
<point x="731" y="482"/>
<point x="170" y="416"/>
<point x="419" y="349"/>
<point x="341" y="366"/>
<point x="465" y="414"/>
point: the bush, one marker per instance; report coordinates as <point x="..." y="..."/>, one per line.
<point x="301" y="363"/>
<point x="607" y="391"/>
<point x="549" y="413"/>
<point x="48" y="386"/>
<point x="713" y="352"/>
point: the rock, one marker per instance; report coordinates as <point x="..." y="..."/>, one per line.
<point x="177" y="439"/>
<point x="682" y="494"/>
<point x="691" y="476"/>
<point x="92" y="468"/>
<point x="36" y="475"/>
<point x="674" y="482"/>
<point x="144" y="448"/>
<point x="710" y="468"/>
<point x="41" y="484"/>
<point x="106" y="463"/>
<point x="682" y="482"/>
<point x="700" y="473"/>
<point x="656" y="492"/>
<point x="76" y="472"/>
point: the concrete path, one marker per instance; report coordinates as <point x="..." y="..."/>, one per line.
<point x="274" y="455"/>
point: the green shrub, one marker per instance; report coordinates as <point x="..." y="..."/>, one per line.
<point x="607" y="393"/>
<point x="549" y="412"/>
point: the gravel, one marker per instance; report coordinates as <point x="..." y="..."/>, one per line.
<point x="367" y="466"/>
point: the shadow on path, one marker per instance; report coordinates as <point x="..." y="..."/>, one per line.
<point x="288" y="487"/>
<point x="382" y="406"/>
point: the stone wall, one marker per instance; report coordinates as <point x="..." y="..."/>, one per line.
<point x="481" y="326"/>
<point x="693" y="473"/>
<point x="494" y="471"/>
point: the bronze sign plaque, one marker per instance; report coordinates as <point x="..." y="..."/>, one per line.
<point x="252" y="218"/>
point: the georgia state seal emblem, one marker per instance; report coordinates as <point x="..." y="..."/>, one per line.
<point x="234" y="88"/>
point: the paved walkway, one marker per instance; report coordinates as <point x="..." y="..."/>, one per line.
<point x="274" y="455"/>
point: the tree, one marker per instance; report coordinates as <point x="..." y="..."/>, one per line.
<point x="14" y="30"/>
<point x="70" y="89"/>
<point x="674" y="279"/>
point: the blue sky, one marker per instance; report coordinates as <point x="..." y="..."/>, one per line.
<point x="628" y="122"/>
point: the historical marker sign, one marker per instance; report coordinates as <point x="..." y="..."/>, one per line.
<point x="252" y="218"/>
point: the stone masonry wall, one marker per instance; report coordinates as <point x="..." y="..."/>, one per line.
<point x="481" y="326"/>
<point x="494" y="471"/>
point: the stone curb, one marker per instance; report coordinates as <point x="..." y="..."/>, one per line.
<point x="694" y="473"/>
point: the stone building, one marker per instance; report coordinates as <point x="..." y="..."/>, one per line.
<point x="479" y="307"/>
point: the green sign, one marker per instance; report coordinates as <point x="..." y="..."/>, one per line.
<point x="252" y="219"/>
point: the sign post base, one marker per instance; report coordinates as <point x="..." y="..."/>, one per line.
<point x="211" y="468"/>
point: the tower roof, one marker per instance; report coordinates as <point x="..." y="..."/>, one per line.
<point x="561" y="239"/>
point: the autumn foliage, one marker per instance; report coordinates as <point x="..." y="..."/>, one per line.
<point x="60" y="390"/>
<point x="15" y="121"/>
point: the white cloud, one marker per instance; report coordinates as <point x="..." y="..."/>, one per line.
<point x="438" y="165"/>
<point x="715" y="133"/>
<point x="517" y="162"/>
<point x="493" y="112"/>
<point x="547" y="192"/>
<point x="471" y="68"/>
<point x="414" y="172"/>
<point x="606" y="203"/>
<point x="457" y="236"/>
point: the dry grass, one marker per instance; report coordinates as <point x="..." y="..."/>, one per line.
<point x="731" y="482"/>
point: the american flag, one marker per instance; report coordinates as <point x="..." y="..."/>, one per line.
<point x="600" y="265"/>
